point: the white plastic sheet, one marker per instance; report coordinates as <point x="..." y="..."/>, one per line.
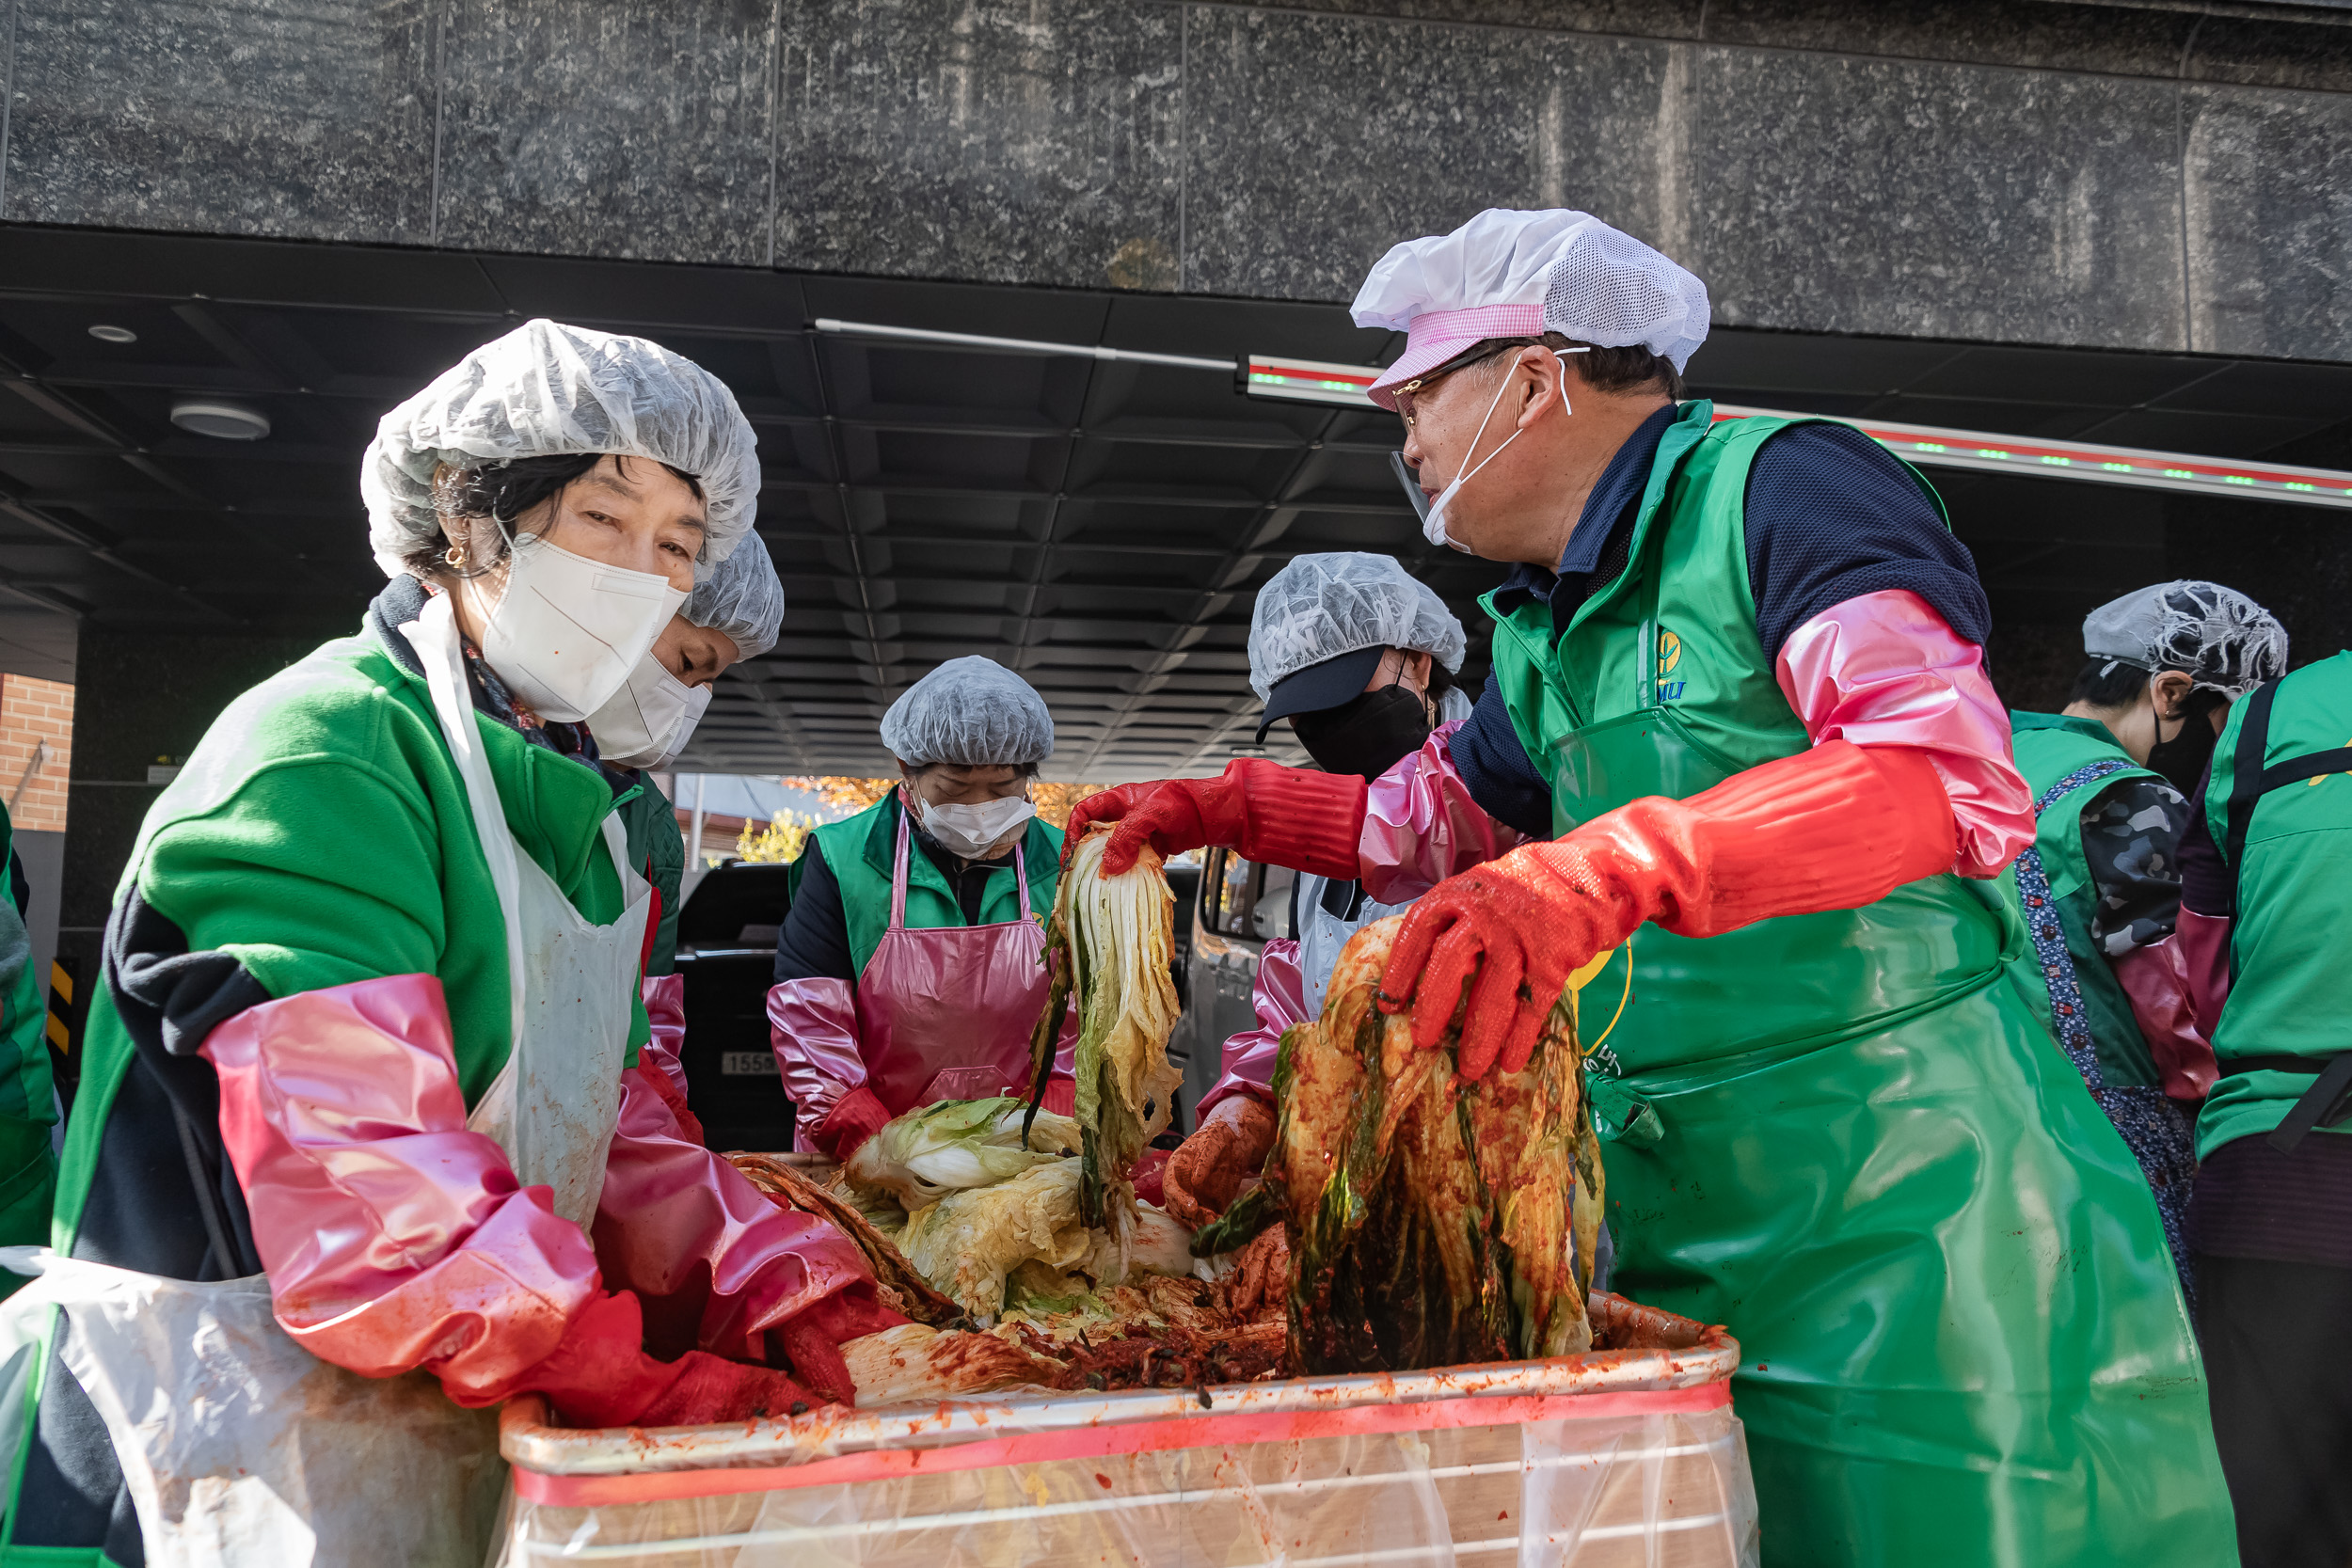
<point x="242" y="1449"/>
<point x="1656" y="1489"/>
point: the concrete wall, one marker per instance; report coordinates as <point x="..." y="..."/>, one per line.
<point x="2157" y="175"/>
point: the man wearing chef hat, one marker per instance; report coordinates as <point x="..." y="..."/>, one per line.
<point x="1738" y="701"/>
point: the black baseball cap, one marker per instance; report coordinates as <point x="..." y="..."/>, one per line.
<point x="1319" y="685"/>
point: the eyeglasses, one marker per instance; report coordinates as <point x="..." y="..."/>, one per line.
<point x="1475" y="354"/>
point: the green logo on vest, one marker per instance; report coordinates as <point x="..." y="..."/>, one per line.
<point x="1669" y="655"/>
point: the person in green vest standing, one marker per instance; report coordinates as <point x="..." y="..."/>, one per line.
<point x="28" y="1102"/>
<point x="369" y="1025"/>
<point x="2264" y="868"/>
<point x="2099" y="891"/>
<point x="910" y="966"/>
<point x="1739" y="700"/>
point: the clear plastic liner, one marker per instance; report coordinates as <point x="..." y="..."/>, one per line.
<point x="1668" y="1488"/>
<point x="1624" y="1457"/>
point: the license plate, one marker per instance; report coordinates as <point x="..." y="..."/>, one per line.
<point x="748" y="1064"/>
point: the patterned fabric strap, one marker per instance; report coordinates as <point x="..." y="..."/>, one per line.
<point x="2049" y="936"/>
<point x="2159" y="1135"/>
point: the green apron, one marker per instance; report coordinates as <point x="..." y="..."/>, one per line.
<point x="1845" y="1136"/>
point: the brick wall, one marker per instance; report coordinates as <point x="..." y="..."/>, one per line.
<point x="33" y="714"/>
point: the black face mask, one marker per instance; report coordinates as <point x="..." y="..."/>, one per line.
<point x="1366" y="735"/>
<point x="2182" y="759"/>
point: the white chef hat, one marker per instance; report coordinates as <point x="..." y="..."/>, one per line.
<point x="1508" y="274"/>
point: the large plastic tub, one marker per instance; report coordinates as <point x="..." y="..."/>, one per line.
<point x="1619" y="1457"/>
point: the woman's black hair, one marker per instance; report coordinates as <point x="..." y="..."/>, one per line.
<point x="504" y="491"/>
<point x="2109" y="683"/>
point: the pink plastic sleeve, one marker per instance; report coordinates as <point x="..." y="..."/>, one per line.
<point x="2156" y="977"/>
<point x="1280" y="998"/>
<point x="1885" y="670"/>
<point x="714" y="1261"/>
<point x="813" y="1025"/>
<point x="2203" y="941"/>
<point x="665" y="1010"/>
<point x="393" y="1237"/>
<point x="1421" y="825"/>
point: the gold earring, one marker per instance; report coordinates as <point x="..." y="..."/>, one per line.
<point x="454" y="555"/>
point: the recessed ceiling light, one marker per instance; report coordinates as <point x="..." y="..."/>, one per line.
<point x="106" y="332"/>
<point x="223" y="420"/>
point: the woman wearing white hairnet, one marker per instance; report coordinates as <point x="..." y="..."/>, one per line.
<point x="370" y="1023"/>
<point x="903" y="977"/>
<point x="732" y="615"/>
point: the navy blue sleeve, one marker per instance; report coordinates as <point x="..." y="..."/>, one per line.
<point x="1832" y="515"/>
<point x="814" y="942"/>
<point x="1505" y="784"/>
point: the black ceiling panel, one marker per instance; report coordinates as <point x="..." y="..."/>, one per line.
<point x="1100" y="526"/>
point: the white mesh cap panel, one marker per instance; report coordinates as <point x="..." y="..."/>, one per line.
<point x="1322" y="606"/>
<point x="1610" y="289"/>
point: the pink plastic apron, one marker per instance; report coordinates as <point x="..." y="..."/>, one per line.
<point x="947" y="1013"/>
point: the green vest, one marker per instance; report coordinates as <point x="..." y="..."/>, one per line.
<point x="2293" y="877"/>
<point x="1846" y="1137"/>
<point x="1660" y="686"/>
<point x="28" y="1171"/>
<point x="658" y="850"/>
<point x="2051" y="747"/>
<point x="321" y="832"/>
<point x="859" y="851"/>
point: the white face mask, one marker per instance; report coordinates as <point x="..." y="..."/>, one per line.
<point x="1432" y="523"/>
<point x="648" y="722"/>
<point x="567" y="630"/>
<point x="971" y="831"/>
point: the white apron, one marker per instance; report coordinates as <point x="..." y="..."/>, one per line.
<point x="239" y="1447"/>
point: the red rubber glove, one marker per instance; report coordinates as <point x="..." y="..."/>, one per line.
<point x="1835" y="828"/>
<point x="1206" y="1173"/>
<point x="600" y="1376"/>
<point x="856" y="1116"/>
<point x="1106" y="805"/>
<point x="1261" y="810"/>
<point x="811" y="1339"/>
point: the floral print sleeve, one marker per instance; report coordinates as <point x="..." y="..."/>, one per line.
<point x="2131" y="837"/>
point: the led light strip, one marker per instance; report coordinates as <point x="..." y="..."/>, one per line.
<point x="2133" y="465"/>
<point x="1309" y="381"/>
<point x="1312" y="381"/>
<point x="1265" y="375"/>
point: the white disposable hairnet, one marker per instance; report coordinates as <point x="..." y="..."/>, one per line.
<point x="2222" y="639"/>
<point x="744" y="597"/>
<point x="546" y="388"/>
<point x="972" y="712"/>
<point x="1594" y="283"/>
<point x="1322" y="606"/>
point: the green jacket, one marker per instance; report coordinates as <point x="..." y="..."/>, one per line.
<point x="859" y="851"/>
<point x="320" y="834"/>
<point x="658" y="850"/>
<point x="2287" y="992"/>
